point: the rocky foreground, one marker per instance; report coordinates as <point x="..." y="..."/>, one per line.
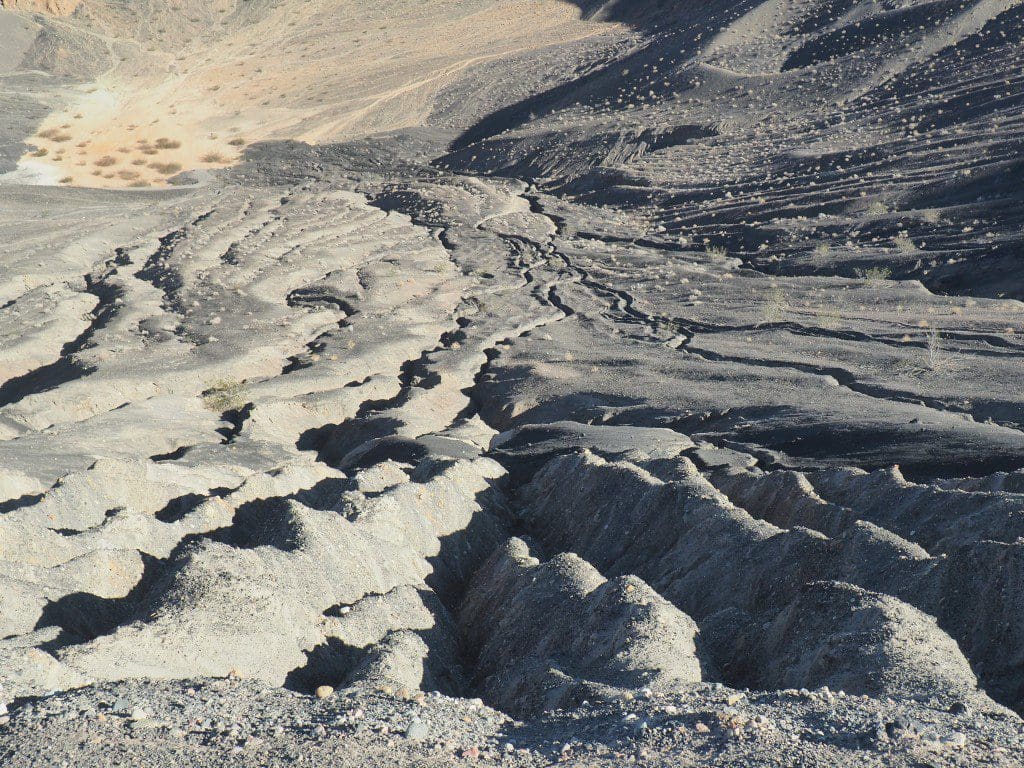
<point x="649" y="396"/>
<point x="235" y="723"/>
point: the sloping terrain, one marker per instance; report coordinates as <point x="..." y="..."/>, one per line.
<point x="649" y="372"/>
<point x="190" y="84"/>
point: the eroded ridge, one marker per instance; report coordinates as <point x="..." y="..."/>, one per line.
<point x="355" y="481"/>
<point x="651" y="394"/>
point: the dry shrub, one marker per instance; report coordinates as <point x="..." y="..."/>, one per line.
<point x="166" y="168"/>
<point x="105" y="162"/>
<point x="874" y="273"/>
<point x="225" y="395"/>
<point x="167" y="143"/>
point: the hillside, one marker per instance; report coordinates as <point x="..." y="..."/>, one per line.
<point x="191" y="84"/>
<point x="563" y="382"/>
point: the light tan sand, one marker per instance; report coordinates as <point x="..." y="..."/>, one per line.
<point x="320" y="71"/>
<point x="55" y="7"/>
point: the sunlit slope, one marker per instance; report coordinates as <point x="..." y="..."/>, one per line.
<point x="192" y="83"/>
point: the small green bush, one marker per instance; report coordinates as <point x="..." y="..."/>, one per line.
<point x="225" y="395"/>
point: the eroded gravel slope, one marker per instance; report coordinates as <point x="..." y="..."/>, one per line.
<point x="651" y="368"/>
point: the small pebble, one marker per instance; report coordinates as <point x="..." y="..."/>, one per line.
<point x="417" y="731"/>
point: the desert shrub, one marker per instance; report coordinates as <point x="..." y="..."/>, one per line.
<point x="105" y="162"/>
<point x="54" y="134"/>
<point x="874" y="273"/>
<point x="166" y="168"/>
<point x="225" y="395"/>
<point x="164" y="143"/>
<point x="213" y="157"/>
<point x="903" y="243"/>
<point x="237" y="142"/>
